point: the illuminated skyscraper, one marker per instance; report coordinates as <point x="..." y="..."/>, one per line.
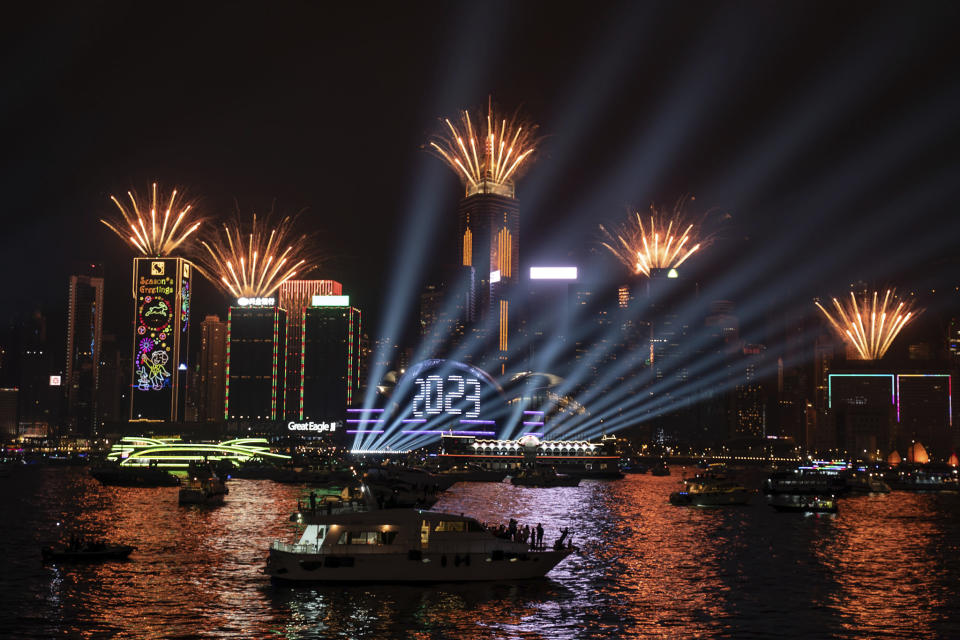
<point x="256" y="360"/>
<point x="295" y="296"/>
<point x="161" y="291"/>
<point x="489" y="241"/>
<point x="84" y="342"/>
<point x="330" y="358"/>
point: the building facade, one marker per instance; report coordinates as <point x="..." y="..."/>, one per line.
<point x="84" y="343"/>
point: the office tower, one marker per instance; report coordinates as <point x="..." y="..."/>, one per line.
<point x="114" y="383"/>
<point x="862" y="408"/>
<point x="488" y="157"/>
<point x="84" y="342"/>
<point x="925" y="413"/>
<point x="8" y="413"/>
<point x="294" y="296"/>
<point x="330" y="358"/>
<point x="549" y="311"/>
<point x="38" y="402"/>
<point x="161" y="291"/>
<point x="256" y="360"/>
<point x="750" y="395"/>
<point x="211" y="381"/>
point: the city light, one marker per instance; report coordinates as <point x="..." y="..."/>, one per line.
<point x="662" y="240"/>
<point x="330" y="301"/>
<point x="553" y="273"/>
<point x="252" y="261"/>
<point x="486" y="151"/>
<point x="868" y="323"/>
<point x="156" y="227"/>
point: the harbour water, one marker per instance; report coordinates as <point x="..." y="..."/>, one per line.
<point x="885" y="566"/>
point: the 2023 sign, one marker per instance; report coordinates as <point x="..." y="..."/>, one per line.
<point x="433" y="399"/>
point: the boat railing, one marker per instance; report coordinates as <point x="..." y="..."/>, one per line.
<point x="321" y="508"/>
<point x="288" y="547"/>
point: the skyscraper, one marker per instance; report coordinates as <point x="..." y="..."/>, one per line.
<point x="213" y="363"/>
<point x="489" y="243"/>
<point x="330" y="358"/>
<point x="256" y="360"/>
<point x="294" y="296"/>
<point x="84" y="342"/>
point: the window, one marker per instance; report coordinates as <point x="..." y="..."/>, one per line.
<point x="451" y="525"/>
<point x="367" y="537"/>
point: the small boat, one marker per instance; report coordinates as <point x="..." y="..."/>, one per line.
<point x="804" y="504"/>
<point x="86" y="552"/>
<point x="709" y="491"/>
<point x="207" y="491"/>
<point x="543" y="477"/>
<point x="472" y="473"/>
<point x="133" y="476"/>
<point x="405" y="545"/>
<point x="660" y="469"/>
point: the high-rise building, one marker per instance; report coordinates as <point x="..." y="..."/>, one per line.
<point x="211" y="381"/>
<point x="39" y="402"/>
<point x="330" y="359"/>
<point x="256" y="360"/>
<point x="750" y="396"/>
<point x="8" y="413"/>
<point x="489" y="242"/>
<point x="294" y="296"/>
<point x="925" y="414"/>
<point x="161" y="290"/>
<point x="84" y="343"/>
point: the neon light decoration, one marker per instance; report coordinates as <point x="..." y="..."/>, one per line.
<point x="171" y="453"/>
<point x="162" y="293"/>
<point x="431" y="399"/>
<point x="830" y="377"/>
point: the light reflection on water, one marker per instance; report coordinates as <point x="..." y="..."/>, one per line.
<point x="885" y="566"/>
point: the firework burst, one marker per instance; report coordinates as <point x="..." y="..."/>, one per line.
<point x="661" y="240"/>
<point x="488" y="151"/>
<point x="253" y="261"/>
<point x="869" y="322"/>
<point x="156" y="226"/>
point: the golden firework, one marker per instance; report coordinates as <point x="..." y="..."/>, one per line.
<point x="868" y="322"/>
<point x="662" y="240"/>
<point x="156" y="227"/>
<point x="488" y="153"/>
<point x="253" y="261"/>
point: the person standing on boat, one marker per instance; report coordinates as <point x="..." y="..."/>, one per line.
<point x="539" y="534"/>
<point x="313" y="501"/>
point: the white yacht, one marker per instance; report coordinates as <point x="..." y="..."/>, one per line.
<point x="405" y="545"/>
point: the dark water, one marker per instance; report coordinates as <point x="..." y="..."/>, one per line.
<point x="885" y="567"/>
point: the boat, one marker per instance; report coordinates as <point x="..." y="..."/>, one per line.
<point x="660" y="469"/>
<point x="804" y="503"/>
<point x="710" y="491"/>
<point x="543" y="477"/>
<point x="863" y="482"/>
<point x="405" y="545"/>
<point x="805" y="482"/>
<point x="86" y="552"/>
<point x="207" y="491"/>
<point x="923" y="478"/>
<point x="472" y="473"/>
<point x="133" y="476"/>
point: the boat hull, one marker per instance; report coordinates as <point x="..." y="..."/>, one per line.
<point x="115" y="552"/>
<point x="414" y="567"/>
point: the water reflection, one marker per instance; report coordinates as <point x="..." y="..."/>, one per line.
<point x="886" y="565"/>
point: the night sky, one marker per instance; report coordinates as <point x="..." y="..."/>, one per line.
<point x="821" y="133"/>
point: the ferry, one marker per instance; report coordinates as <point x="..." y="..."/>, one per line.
<point x="204" y="491"/>
<point x="708" y="491"/>
<point x="405" y="545"/>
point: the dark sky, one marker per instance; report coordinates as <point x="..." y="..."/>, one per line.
<point x="823" y="131"/>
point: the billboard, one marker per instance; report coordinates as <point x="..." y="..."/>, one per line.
<point x="161" y="295"/>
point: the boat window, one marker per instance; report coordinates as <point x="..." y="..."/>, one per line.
<point x="451" y="525"/>
<point x="424" y="533"/>
<point x="367" y="537"/>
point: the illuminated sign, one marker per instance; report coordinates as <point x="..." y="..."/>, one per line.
<point x="161" y="291"/>
<point x="319" y="427"/>
<point x="330" y="301"/>
<point x="54" y="381"/>
<point x="462" y="396"/>
<point x="494" y="276"/>
<point x="256" y="302"/>
<point x="553" y="273"/>
<point x="673" y="273"/>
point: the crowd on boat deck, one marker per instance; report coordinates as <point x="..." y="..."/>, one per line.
<point x="527" y="534"/>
